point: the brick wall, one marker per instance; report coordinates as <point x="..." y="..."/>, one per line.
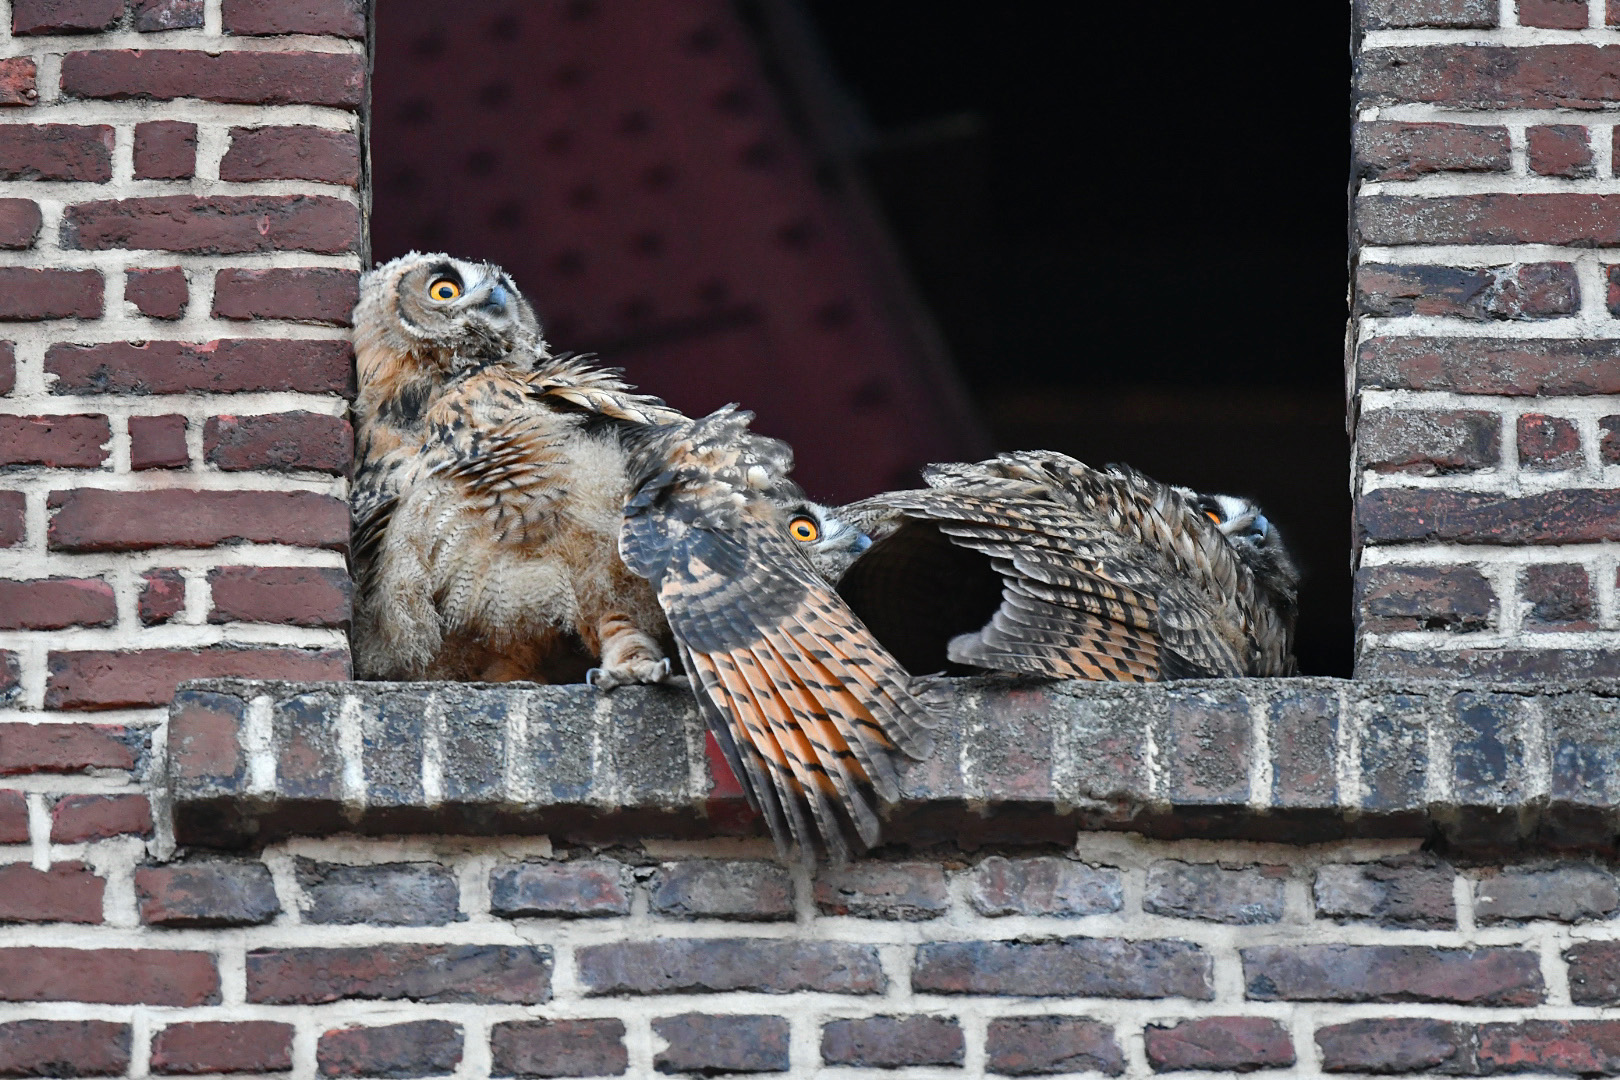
<point x="515" y="958"/>
<point x="1485" y="361"/>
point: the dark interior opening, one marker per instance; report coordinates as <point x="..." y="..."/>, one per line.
<point x="1127" y="229"/>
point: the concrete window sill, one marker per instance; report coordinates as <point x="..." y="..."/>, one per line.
<point x="1295" y="760"/>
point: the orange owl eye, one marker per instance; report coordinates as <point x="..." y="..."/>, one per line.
<point x="804" y="530"/>
<point x="444" y="289"/>
<point x="1213" y="516"/>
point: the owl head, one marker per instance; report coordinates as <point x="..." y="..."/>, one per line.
<point x="442" y="313"/>
<point x="830" y="542"/>
<point x="1256" y="541"/>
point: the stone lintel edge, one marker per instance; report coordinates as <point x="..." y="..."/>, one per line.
<point x="1474" y="765"/>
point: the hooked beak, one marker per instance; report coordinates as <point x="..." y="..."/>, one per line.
<point x="495" y="300"/>
<point x="862" y="542"/>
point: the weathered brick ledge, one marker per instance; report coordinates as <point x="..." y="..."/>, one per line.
<point x="1297" y="760"/>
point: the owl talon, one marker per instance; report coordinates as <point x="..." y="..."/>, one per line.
<point x="591" y="677"/>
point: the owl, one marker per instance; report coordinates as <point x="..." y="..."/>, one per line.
<point x="1035" y="563"/>
<point x="520" y="515"/>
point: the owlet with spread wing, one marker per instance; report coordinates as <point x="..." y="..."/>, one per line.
<point x="1033" y="562"/>
<point x="493" y="486"/>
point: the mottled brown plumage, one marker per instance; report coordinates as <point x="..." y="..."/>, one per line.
<point x="1033" y="562"/>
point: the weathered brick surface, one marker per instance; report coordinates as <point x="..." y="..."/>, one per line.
<point x="873" y="890"/>
<point x="1562" y="218"/>
<point x="1490" y="76"/>
<point x="89" y="519"/>
<point x="708" y="1045"/>
<point x="216" y="225"/>
<point x="76" y="818"/>
<point x="1397" y="1045"/>
<point x="417" y="1048"/>
<point x="339" y="18"/>
<point x="429" y="973"/>
<point x="1594" y="972"/>
<point x="1396" y="598"/>
<point x="242" y="78"/>
<point x="214" y="367"/>
<point x="109" y="976"/>
<point x="279" y="442"/>
<point x="1609" y="439"/>
<point x="1578" y="515"/>
<point x="1548" y="442"/>
<point x="206" y="893"/>
<point x="1579" y="1047"/>
<point x="1399" y="151"/>
<point x="558" y="1048"/>
<point x="158" y="442"/>
<point x="33" y="295"/>
<point x="1044" y="886"/>
<point x="60" y="442"/>
<point x="64" y="16"/>
<point x="301" y="294"/>
<point x="1486" y="976"/>
<point x="154" y="16"/>
<point x="20" y="221"/>
<point x="716" y="889"/>
<point x="292" y="153"/>
<point x="391" y="894"/>
<point x="1448" y="14"/>
<point x="1237" y="1043"/>
<point x="65" y="748"/>
<point x="64" y="1048"/>
<point x="1514" y="368"/>
<point x="248" y="1046"/>
<point x="1561" y="149"/>
<point x="569" y="890"/>
<point x="1521" y="291"/>
<point x="893" y="1042"/>
<point x="1560" y="598"/>
<point x="292" y="595"/>
<point x="724" y="964"/>
<point x="165" y="150"/>
<point x="1084" y="967"/>
<point x="1240" y="895"/>
<point x="1042" y="1045"/>
<point x="56" y="152"/>
<point x="1564" y="894"/>
<point x="162" y="596"/>
<point x="13" y="817"/>
<point x="114" y="679"/>
<point x="55" y="603"/>
<point x="17" y="88"/>
<point x="68" y="892"/>
<point x="1390" y="893"/>
<point x="1553" y="14"/>
<point x="158" y="293"/>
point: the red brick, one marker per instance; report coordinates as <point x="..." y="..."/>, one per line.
<point x="137" y="677"/>
<point x="66" y="893"/>
<point x="56" y="152"/>
<point x="214" y="367"/>
<point x="13" y="817"/>
<point x="151" y="16"/>
<point x="158" y="442"/>
<point x="1578" y="1047"/>
<point x="8" y="368"/>
<point x="64" y="16"/>
<point x="1395" y="892"/>
<point x="577" y="889"/>
<point x="91" y="519"/>
<point x="10" y="677"/>
<point x="12" y="524"/>
<point x="1561" y="150"/>
<point x="1044" y="886"/>
<point x="17" y="81"/>
<point x="1492" y="76"/>
<point x="20" y="221"/>
<point x="1064" y="967"/>
<point x="1609" y="439"/>
<point x="165" y="150"/>
<point x="426" y="973"/>
<point x="1480" y="294"/>
<point x="1395" y="598"/>
<point x="109" y="976"/>
<point x="1490" y="665"/>
<point x="28" y="295"/>
<point x="1428" y="443"/>
<point x="64" y="748"/>
<point x="338" y="18"/>
<point x="878" y="890"/>
<point x="1573" y="892"/>
<point x="1394" y="515"/>
<point x="889" y="1042"/>
<point x="558" y="1048"/>
<point x="64" y="1048"/>
<point x="280" y="442"/>
<point x="720" y="965"/>
<point x="206" y="893"/>
<point x="291" y="595"/>
<point x="217" y="225"/>
<point x="1490" y="365"/>
<point x="1612" y="13"/>
<point x="237" y="78"/>
<point x="1449" y="14"/>
<point x="1559" y="218"/>
<point x="1042" y="1045"/>
<point x="220" y="1047"/>
<point x="1484" y="976"/>
<point x="55" y="603"/>
<point x="77" y="818"/>
<point x="58" y="442"/>
<point x="1548" y="442"/>
<point x="1560" y="598"/>
<point x="1400" y="151"/>
<point x="1594" y="972"/>
<point x="415" y="1048"/>
<point x="1236" y="1043"/>
<point x="1396" y="1046"/>
<point x="1553" y="14"/>
<point x="1214" y="893"/>
<point x="300" y="294"/>
<point x="203" y="741"/>
<point x="157" y="293"/>
<point x="163" y="596"/>
<point x="292" y="153"/>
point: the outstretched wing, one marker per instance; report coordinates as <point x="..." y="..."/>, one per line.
<point x="810" y="711"/>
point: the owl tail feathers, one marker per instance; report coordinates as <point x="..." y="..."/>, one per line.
<point x="714" y="451"/>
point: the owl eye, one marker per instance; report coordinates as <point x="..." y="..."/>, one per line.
<point x="444" y="289"/>
<point x="805" y="530"/>
<point x="1213" y="516"/>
